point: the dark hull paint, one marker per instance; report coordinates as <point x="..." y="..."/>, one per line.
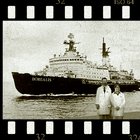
<point x="26" y="84"/>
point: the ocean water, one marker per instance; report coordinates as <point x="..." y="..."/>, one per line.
<point x="19" y="106"/>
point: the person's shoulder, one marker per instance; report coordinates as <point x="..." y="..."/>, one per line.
<point x="122" y="94"/>
<point x="99" y="88"/>
<point x="113" y="94"/>
<point x="108" y="87"/>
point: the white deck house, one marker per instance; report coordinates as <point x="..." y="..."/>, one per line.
<point x="76" y="64"/>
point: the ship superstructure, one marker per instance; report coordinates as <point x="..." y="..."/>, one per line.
<point x="72" y="64"/>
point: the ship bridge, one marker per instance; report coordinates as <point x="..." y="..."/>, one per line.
<point x="70" y="57"/>
<point x="66" y="59"/>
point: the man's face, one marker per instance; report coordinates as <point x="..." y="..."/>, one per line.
<point x="104" y="82"/>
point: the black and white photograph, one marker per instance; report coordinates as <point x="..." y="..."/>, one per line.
<point x="71" y="69"/>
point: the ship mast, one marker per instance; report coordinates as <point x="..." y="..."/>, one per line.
<point x="105" y="55"/>
<point x="71" y="43"/>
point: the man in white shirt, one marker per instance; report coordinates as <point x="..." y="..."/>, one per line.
<point x="103" y="103"/>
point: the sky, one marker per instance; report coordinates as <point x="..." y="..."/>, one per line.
<point x="28" y="45"/>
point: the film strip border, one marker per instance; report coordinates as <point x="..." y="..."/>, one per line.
<point x="64" y="12"/>
<point x="68" y="127"/>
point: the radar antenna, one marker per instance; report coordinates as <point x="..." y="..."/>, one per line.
<point x="71" y="43"/>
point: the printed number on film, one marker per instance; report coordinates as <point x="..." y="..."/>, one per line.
<point x="40" y="136"/>
<point x="60" y="2"/>
<point x="134" y="137"/>
<point x="123" y="2"/>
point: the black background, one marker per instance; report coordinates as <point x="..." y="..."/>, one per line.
<point x="78" y="14"/>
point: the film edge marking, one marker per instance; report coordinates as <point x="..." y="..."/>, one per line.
<point x="68" y="12"/>
<point x="68" y="127"/>
<point x="125" y="127"/>
<point x="87" y="127"/>
<point x="87" y="12"/>
<point x="106" y="127"/>
<point x="106" y="12"/>
<point x="49" y="12"/>
<point x="11" y="12"/>
<point x="11" y="127"/>
<point x="30" y="12"/>
<point x="49" y="127"/>
<point x="30" y="127"/>
<point x="125" y="12"/>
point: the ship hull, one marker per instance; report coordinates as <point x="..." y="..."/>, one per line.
<point x="34" y="85"/>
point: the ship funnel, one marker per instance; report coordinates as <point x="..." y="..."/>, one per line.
<point x="54" y="55"/>
<point x="77" y="53"/>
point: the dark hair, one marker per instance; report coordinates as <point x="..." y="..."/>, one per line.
<point x="104" y="78"/>
<point x="116" y="85"/>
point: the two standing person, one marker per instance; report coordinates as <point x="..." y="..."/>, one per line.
<point x="109" y="105"/>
